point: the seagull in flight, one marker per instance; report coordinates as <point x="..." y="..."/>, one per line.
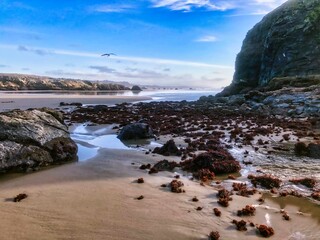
<point x="108" y="54"/>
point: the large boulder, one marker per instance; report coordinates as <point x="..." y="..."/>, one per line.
<point x="286" y="43"/>
<point x="34" y="138"/>
<point x="136" y="131"/>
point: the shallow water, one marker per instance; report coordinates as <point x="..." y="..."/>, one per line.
<point x="91" y="138"/>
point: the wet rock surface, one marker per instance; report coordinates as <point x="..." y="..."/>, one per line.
<point x="34" y="138"/>
<point x="136" y="131"/>
<point x="284" y="44"/>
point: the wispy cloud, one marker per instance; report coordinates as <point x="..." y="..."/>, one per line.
<point x="19" y="31"/>
<point x="189" y="5"/>
<point x="208" y="38"/>
<point x="3" y="66"/>
<point x="159" y="61"/>
<point x="16" y="4"/>
<point x="249" y="6"/>
<point x="103" y="69"/>
<point x="111" y="8"/>
<point x="37" y="51"/>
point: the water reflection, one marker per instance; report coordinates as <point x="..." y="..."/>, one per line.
<point x="156" y="95"/>
<point x="91" y="139"/>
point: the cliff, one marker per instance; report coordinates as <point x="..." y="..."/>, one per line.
<point x="30" y="82"/>
<point x="286" y="43"/>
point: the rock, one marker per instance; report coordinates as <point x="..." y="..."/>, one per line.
<point x="136" y="131"/>
<point x="136" y="88"/>
<point x="168" y="149"/>
<point x="284" y="44"/>
<point x="34" y="138"/>
<point x="165" y="165"/>
<point x="218" y="162"/>
<point x="313" y="150"/>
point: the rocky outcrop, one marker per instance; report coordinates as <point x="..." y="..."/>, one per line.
<point x="30" y="82"/>
<point x="168" y="149"/>
<point x="286" y="43"/>
<point x="34" y="138"/>
<point x="136" y="131"/>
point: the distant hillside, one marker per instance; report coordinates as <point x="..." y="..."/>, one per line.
<point x="30" y="82"/>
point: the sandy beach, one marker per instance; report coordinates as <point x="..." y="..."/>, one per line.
<point x="9" y="101"/>
<point x="96" y="200"/>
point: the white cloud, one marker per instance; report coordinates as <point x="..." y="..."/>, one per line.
<point x="111" y="8"/>
<point x="208" y="38"/>
<point x="188" y="5"/>
<point x="251" y="7"/>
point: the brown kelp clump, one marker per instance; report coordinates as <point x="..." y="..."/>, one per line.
<point x="215" y="161"/>
<point x="241" y="225"/>
<point x="266" y="181"/>
<point x="204" y="175"/>
<point x="247" y="211"/>
<point x="224" y="197"/>
<point x="217" y="212"/>
<point x="242" y="190"/>
<point x="265" y="231"/>
<point x="20" y="197"/>
<point x="308" y="182"/>
<point x="176" y="186"/>
<point x="214" y="235"/>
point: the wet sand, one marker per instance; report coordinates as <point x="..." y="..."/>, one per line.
<point x="9" y="101"/>
<point x="95" y="199"/>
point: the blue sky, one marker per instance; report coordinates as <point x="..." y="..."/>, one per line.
<point x="164" y="42"/>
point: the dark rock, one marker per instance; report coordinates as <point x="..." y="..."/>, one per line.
<point x="136" y="131"/>
<point x="314" y="150"/>
<point x="165" y="165"/>
<point x="218" y="162"/>
<point x="285" y="43"/>
<point x="311" y="150"/>
<point x="136" y="88"/>
<point x="34" y="138"/>
<point x="168" y="149"/>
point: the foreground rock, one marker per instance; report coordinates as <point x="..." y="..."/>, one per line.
<point x="34" y="138"/>
<point x="136" y="131"/>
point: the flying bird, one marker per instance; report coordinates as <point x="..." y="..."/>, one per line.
<point x="107" y="54"/>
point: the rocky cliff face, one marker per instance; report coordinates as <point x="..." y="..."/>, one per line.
<point x="28" y="82"/>
<point x="286" y="43"/>
<point x="34" y="138"/>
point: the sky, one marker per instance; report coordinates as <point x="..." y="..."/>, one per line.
<point x="175" y="43"/>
